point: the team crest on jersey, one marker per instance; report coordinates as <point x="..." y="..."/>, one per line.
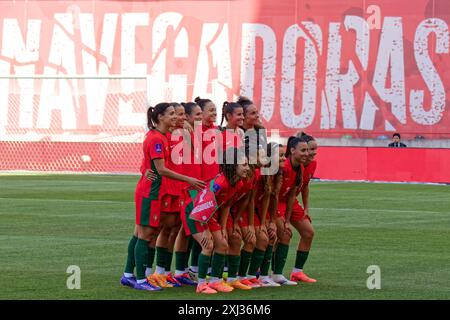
<point x="216" y="187"/>
<point x="158" y="147"/>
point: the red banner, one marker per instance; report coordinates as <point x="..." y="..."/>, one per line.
<point x="329" y="67"/>
<point x="384" y="164"/>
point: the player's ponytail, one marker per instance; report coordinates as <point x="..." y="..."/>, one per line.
<point x="150" y="123"/>
<point x="272" y="148"/>
<point x="225" y="104"/>
<point x="154" y="112"/>
<point x="305" y="137"/>
<point x="292" y="142"/>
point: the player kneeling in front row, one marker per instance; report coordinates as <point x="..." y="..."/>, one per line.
<point x="221" y="191"/>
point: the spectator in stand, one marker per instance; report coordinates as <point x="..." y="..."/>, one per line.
<point x="396" y="143"/>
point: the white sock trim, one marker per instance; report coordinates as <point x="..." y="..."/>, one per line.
<point x="128" y="275"/>
<point x="160" y="270"/>
<point x="179" y="273"/>
<point x="194" y="269"/>
<point x="148" y="271"/>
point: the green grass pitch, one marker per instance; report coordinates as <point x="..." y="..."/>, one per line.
<point x="50" y="222"/>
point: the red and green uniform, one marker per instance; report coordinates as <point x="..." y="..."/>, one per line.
<point x="211" y="169"/>
<point x="223" y="193"/>
<point x="191" y="168"/>
<point x="298" y="213"/>
<point x="171" y="189"/>
<point x="289" y="177"/>
<point x="247" y="186"/>
<point x="148" y="193"/>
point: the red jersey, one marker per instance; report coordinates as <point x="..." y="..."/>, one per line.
<point x="224" y="191"/>
<point x="155" y="146"/>
<point x="210" y="161"/>
<point x="232" y="138"/>
<point x="245" y="186"/>
<point x="174" y="163"/>
<point x="308" y="173"/>
<point x="194" y="167"/>
<point x="289" y="177"/>
<point x="248" y="184"/>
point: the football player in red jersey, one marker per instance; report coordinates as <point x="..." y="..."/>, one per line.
<point x="256" y="144"/>
<point x="286" y="186"/>
<point x="170" y="201"/>
<point x="209" y="164"/>
<point x="210" y="131"/>
<point x="191" y="166"/>
<point x="232" y="134"/>
<point x="180" y="142"/>
<point x="300" y="218"/>
<point x="149" y="217"/>
<point x="212" y="235"/>
<point x="238" y="224"/>
<point x="264" y="216"/>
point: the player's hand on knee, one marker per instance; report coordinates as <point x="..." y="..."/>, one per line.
<point x="251" y="235"/>
<point x="224" y="234"/>
<point x="237" y="230"/>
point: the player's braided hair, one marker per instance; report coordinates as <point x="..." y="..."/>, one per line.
<point x="154" y="112"/>
<point x="268" y="180"/>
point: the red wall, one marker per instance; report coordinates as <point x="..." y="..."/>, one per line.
<point x="384" y="164"/>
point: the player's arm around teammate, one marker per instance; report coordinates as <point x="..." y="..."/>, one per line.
<point x="224" y="186"/>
